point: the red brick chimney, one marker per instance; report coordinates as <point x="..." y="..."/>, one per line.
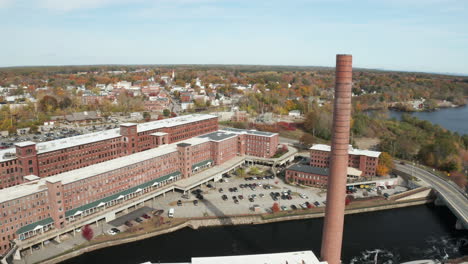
<point x="336" y="191"/>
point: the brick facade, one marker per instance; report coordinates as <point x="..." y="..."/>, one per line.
<point x="105" y="145"/>
<point x="364" y="160"/>
<point x="57" y="201"/>
<point x="316" y="172"/>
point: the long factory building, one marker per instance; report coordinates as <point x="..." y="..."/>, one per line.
<point x="144" y="160"/>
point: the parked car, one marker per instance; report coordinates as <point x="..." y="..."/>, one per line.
<point x="138" y="220"/>
<point x="220" y="190"/>
<point x="293" y="207"/>
<point x="128" y="223"/>
<point x="145" y="216"/>
<point x="158" y="212"/>
<point x="115" y="230"/>
<point x="195" y="202"/>
<point x="179" y="203"/>
<point x="251" y="199"/>
<point x="111" y="232"/>
<point x="224" y="197"/>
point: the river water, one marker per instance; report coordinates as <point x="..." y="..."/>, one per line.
<point x="419" y="232"/>
<point x="454" y="119"/>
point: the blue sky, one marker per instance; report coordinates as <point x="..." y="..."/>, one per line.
<point x="409" y="35"/>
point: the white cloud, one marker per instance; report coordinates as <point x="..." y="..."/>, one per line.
<point x="5" y="3"/>
<point x="68" y="5"/>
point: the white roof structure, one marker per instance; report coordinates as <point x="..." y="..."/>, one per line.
<point x="299" y="257"/>
<point x="7" y="154"/>
<point x="53" y="145"/>
<point x="171" y="122"/>
<point x="354" y="172"/>
<point x="28" y="188"/>
<point x="250" y="132"/>
<point x="351" y="150"/>
<point x="77" y="140"/>
<point x="31" y="177"/>
<point x="25" y="143"/>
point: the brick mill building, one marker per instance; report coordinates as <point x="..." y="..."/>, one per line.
<point x="173" y="150"/>
<point x="57" y="156"/>
<point x="361" y="163"/>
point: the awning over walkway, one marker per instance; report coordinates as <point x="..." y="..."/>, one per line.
<point x="122" y="194"/>
<point x="35" y="226"/>
<point x="201" y="164"/>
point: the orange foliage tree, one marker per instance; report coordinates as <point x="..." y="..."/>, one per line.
<point x="275" y="208"/>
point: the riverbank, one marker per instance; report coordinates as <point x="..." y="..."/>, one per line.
<point x="257" y="219"/>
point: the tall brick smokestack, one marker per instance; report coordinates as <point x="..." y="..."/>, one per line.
<point x="336" y="191"/>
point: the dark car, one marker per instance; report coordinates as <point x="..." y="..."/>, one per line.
<point x="293" y="207"/>
<point x="197" y="191"/>
<point x="115" y="230"/>
<point x="195" y="202"/>
<point x="236" y="201"/>
<point x="158" y="212"/>
<point x="199" y="196"/>
<point x="251" y="199"/>
<point x="138" y="220"/>
<point x="145" y="216"/>
<point x="234" y="197"/>
<point x="209" y="185"/>
<point x="317" y="203"/>
<point x="224" y="197"/>
<point x="128" y="223"/>
<point x="241" y="197"/>
<point x="179" y="203"/>
<point x="220" y="190"/>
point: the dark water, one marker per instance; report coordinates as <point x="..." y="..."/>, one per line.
<point x="453" y="119"/>
<point x="420" y="232"/>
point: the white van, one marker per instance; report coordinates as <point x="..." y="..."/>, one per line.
<point x="171" y="212"/>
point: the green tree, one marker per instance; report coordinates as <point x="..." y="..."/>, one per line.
<point x="146" y="116"/>
<point x="166" y="112"/>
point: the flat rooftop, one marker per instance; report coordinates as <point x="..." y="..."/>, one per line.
<point x="298" y="257"/>
<point x="171" y="122"/>
<point x="29" y="188"/>
<point x="351" y="150"/>
<point x="218" y="136"/>
<point x="250" y="132"/>
<point x="68" y="142"/>
<point x="309" y="169"/>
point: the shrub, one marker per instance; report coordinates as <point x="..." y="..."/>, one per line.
<point x="87" y="232"/>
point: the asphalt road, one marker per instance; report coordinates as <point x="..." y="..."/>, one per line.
<point x="453" y="196"/>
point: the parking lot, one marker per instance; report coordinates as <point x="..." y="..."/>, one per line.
<point x="241" y="195"/>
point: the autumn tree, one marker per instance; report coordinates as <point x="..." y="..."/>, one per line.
<point x="87" y="232"/>
<point x="275" y="208"/>
<point x="385" y="164"/>
<point x="307" y="140"/>
<point x="48" y="104"/>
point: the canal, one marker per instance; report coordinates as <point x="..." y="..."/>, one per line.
<point x="419" y="232"/>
